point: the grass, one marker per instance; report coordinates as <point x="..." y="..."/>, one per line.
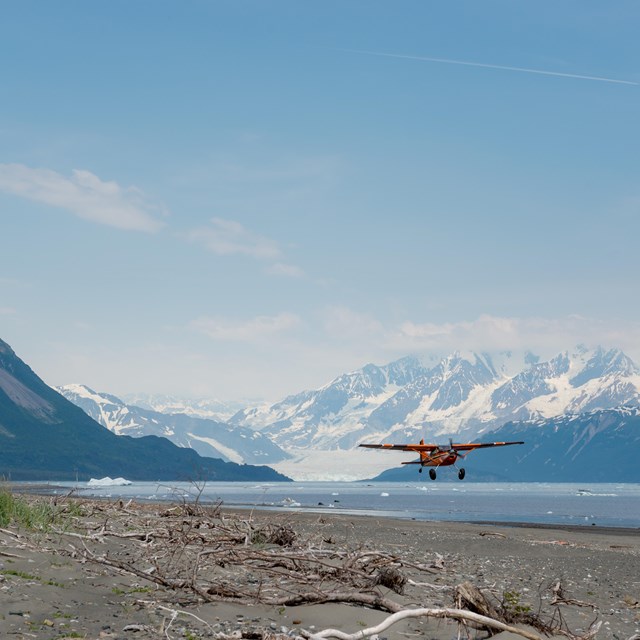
<point x="28" y="576"/>
<point x="126" y="592"/>
<point x="35" y="515"/>
<point x="14" y="509"/>
<point x="512" y="603"/>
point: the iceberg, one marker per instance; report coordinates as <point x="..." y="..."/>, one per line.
<point x="290" y="502"/>
<point x="108" y="482"/>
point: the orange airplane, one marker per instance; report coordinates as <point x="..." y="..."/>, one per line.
<point x="434" y="455"/>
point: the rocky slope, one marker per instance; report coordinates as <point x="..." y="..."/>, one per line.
<point x="208" y="437"/>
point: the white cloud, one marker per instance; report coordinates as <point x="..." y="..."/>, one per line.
<point x="227" y="237"/>
<point x="7" y="311"/>
<point x="342" y="322"/>
<point x="249" y="331"/>
<point x="493" y="333"/>
<point x="286" y="270"/>
<point x="84" y="195"/>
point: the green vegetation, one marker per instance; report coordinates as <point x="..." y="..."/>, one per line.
<point x="126" y="592"/>
<point x="19" y="574"/>
<point x="36" y="515"/>
<point x="39" y="515"/>
<point x="29" y="576"/>
<point x="512" y="603"/>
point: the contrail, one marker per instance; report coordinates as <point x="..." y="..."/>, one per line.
<point x="495" y="66"/>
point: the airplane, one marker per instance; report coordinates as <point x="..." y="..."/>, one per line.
<point x="434" y="455"/>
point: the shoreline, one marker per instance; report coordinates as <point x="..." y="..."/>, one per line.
<point x="45" y="489"/>
<point x="50" y="586"/>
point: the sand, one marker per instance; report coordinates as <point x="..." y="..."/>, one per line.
<point x="49" y="591"/>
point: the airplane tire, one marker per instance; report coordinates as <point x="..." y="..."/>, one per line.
<point x="420" y="470"/>
<point x="432" y="474"/>
<point x="461" y="474"/>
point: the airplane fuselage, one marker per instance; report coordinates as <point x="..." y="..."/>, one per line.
<point x="440" y="461"/>
<point x="437" y="458"/>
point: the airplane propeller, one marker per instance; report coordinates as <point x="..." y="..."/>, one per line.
<point x="453" y="450"/>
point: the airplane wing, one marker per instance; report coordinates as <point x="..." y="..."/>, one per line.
<point x="481" y="445"/>
<point x="433" y="447"/>
<point x="402" y="447"/>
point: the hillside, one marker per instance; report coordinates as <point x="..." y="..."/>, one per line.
<point x="208" y="437"/>
<point x="597" y="446"/>
<point x="43" y="436"/>
<point x="314" y="435"/>
<point x="462" y="396"/>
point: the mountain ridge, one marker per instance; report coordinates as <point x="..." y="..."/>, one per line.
<point x="43" y="436"/>
<point x="463" y="396"/>
<point x="210" y="438"/>
<point x="466" y="396"/>
<point x="456" y="396"/>
<point x="594" y="446"/>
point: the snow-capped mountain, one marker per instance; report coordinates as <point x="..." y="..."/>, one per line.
<point x="207" y="437"/>
<point x="213" y="409"/>
<point x="596" y="446"/>
<point x="461" y="395"/>
<point x="44" y="436"/>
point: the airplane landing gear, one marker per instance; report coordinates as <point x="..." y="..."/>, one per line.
<point x="461" y="474"/>
<point x="432" y="474"/>
<point x="420" y="470"/>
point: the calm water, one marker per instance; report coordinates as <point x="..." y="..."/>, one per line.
<point x="616" y="505"/>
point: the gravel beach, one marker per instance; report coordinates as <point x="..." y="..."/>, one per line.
<point x="107" y="574"/>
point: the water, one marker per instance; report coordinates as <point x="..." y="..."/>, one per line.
<point x="612" y="505"/>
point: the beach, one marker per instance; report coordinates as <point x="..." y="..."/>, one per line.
<point x="119" y="570"/>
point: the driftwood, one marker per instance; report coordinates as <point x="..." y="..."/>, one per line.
<point x="450" y="614"/>
<point x="460" y="615"/>
<point x="560" y="597"/>
<point x="470" y="598"/>
<point x="208" y="555"/>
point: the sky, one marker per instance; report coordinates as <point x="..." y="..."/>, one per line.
<point x="247" y="198"/>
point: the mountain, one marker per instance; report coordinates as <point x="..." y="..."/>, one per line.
<point x="596" y="446"/>
<point x="459" y="395"/>
<point x="208" y="437"/>
<point x="212" y="409"/>
<point x="465" y="396"/>
<point x="44" y="436"/>
<point x="320" y="419"/>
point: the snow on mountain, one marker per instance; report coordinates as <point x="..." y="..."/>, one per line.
<point x="461" y="396"/>
<point x="320" y="418"/>
<point x="195" y="407"/>
<point x="104" y="408"/>
<point x="592" y="446"/>
<point x="207" y="437"/>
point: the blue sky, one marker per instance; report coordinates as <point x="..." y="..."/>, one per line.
<point x="247" y="198"/>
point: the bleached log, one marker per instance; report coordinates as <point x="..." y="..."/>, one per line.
<point x="451" y="614"/>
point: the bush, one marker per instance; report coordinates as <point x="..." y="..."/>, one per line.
<point x="38" y="515"/>
<point x="6" y="508"/>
